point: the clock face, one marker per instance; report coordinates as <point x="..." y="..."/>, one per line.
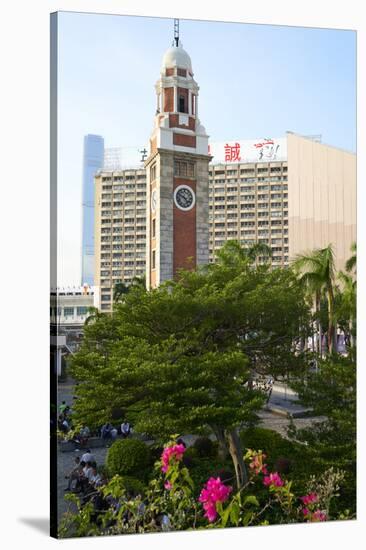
<point x="184" y="197"/>
<point x="154" y="199"/>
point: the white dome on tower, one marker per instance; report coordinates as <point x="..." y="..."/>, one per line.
<point x="176" y="57"/>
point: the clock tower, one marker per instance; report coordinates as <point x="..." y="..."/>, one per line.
<point x="177" y="224"/>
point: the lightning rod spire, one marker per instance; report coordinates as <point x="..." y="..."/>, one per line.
<point x="176" y="32"/>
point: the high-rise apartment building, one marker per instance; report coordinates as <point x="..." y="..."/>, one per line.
<point x="249" y="195"/>
<point x="249" y="203"/>
<point x="93" y="156"/>
<point x="294" y="194"/>
<point x="120" y="230"/>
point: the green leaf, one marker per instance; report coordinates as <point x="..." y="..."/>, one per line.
<point x="250" y="500"/>
<point x="235" y="513"/>
<point x="225" y="515"/>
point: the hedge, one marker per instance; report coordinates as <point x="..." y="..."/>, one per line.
<point x="127" y="457"/>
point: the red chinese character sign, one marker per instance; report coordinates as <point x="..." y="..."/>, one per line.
<point x="249" y="150"/>
<point x="232" y="153"/>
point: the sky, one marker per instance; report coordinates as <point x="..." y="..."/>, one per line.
<point x="255" y="81"/>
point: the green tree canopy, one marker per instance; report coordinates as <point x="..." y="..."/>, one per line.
<point x="180" y="358"/>
<point x="331" y="392"/>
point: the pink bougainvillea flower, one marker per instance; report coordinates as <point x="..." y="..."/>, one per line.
<point x="214" y="491"/>
<point x="175" y="452"/>
<point x="305" y="511"/>
<point x="168" y="486"/>
<point x="273" y="480"/>
<point x="211" y="513"/>
<point x="319" y="515"/>
<point x="310" y="498"/>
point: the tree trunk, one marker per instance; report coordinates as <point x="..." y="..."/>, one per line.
<point x="236" y="454"/>
<point x="320" y="341"/>
<point x="251" y="379"/>
<point x="220" y="436"/>
<point x="351" y="337"/>
<point x="332" y="338"/>
<point x="318" y="324"/>
<point x="302" y="344"/>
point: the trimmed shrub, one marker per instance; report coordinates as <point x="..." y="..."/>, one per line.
<point x="127" y="457"/>
<point x="191" y="452"/>
<point x="283" y="465"/>
<point x="204" y="446"/>
<point x="155" y="452"/>
<point x="270" y="442"/>
<point x="133" y="486"/>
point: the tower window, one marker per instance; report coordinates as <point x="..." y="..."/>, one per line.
<point x="153" y="261"/>
<point x="153" y="173"/>
<point x="182" y="104"/>
<point x="153" y="228"/>
<point x="184" y="168"/>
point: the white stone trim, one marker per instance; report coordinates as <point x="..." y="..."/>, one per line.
<point x="175" y="98"/>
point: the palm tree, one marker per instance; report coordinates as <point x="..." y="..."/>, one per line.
<point x="139" y="282"/>
<point x="316" y="270"/>
<point x="120" y="289"/>
<point x="232" y="253"/>
<point x="347" y="306"/>
<point x="349" y="291"/>
<point x="94" y="315"/>
<point x="352" y="261"/>
<point x="258" y="249"/>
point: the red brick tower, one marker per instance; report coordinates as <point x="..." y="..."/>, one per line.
<point x="177" y="174"/>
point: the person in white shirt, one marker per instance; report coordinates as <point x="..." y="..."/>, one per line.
<point x="87" y="473"/>
<point x="94" y="478"/>
<point x="87" y="457"/>
<point x="86" y="470"/>
<point x="125" y="429"/>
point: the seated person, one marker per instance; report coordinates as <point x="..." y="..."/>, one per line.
<point x="87" y="457"/>
<point x="85" y="476"/>
<point x="84" y="435"/>
<point x="78" y="485"/>
<point x="125" y="429"/>
<point x="95" y="479"/>
<point x="74" y="474"/>
<point x="114" y="433"/>
<point x="106" y="431"/>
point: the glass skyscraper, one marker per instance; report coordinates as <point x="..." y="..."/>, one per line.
<point x="92" y="162"/>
